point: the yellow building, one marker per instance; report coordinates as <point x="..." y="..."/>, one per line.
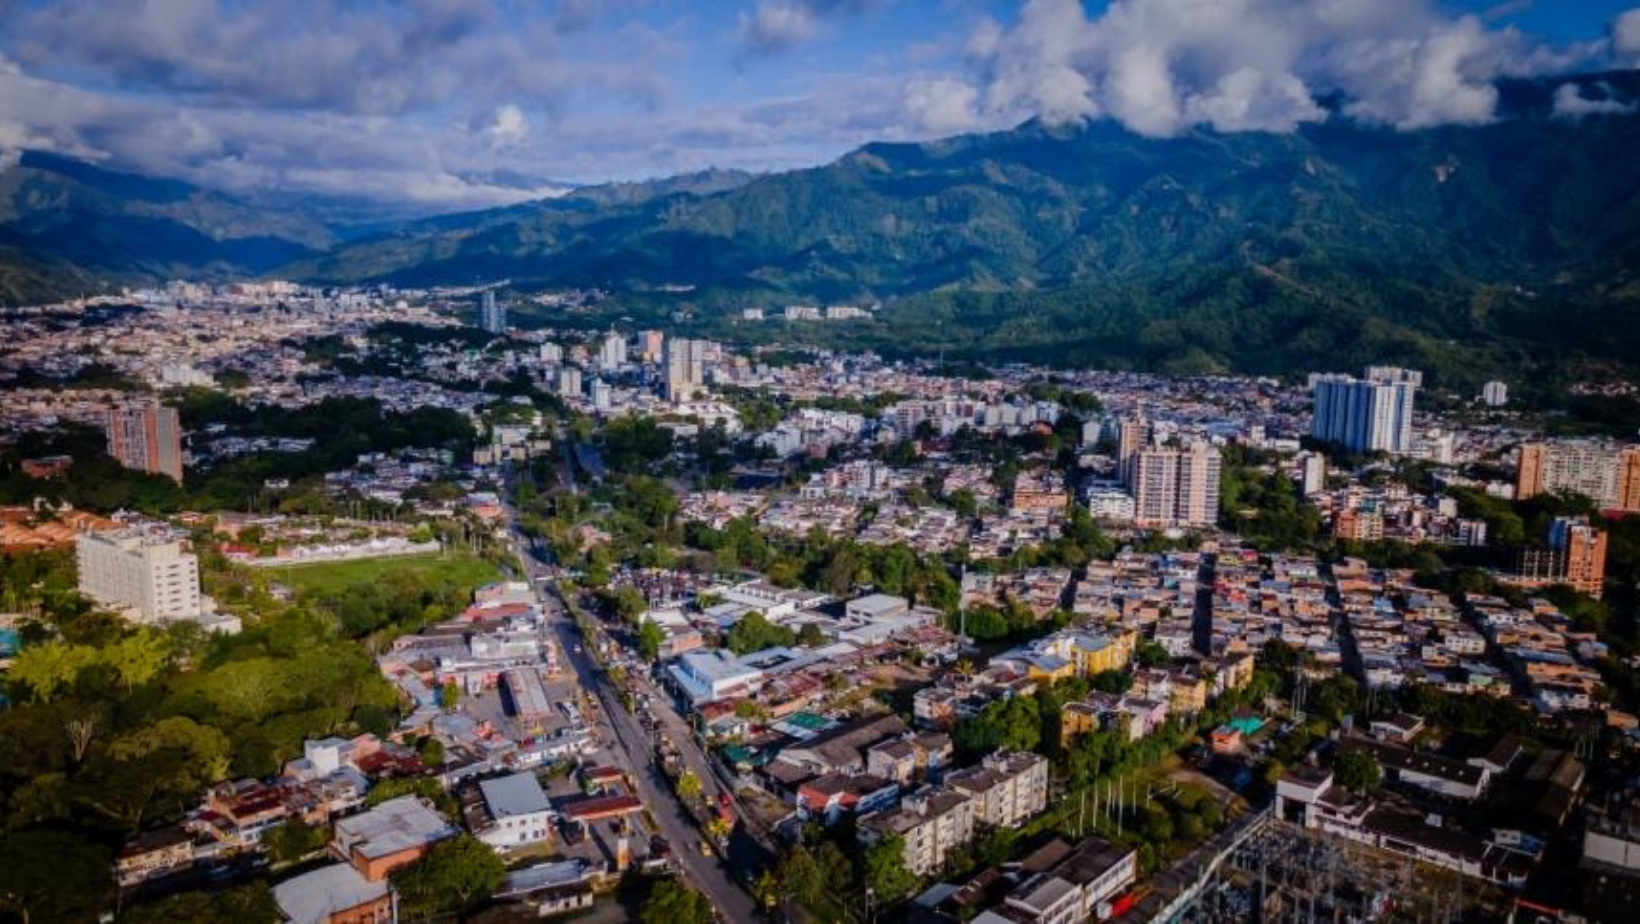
<point x="1096" y="654"/>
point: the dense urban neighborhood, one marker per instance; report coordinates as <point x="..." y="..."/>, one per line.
<point x="385" y="604"/>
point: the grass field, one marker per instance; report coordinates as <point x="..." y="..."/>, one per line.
<point x="469" y="571"/>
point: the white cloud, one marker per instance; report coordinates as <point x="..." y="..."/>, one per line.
<point x="1626" y="36"/>
<point x="1163" y="66"/>
<point x="1570" y="103"/>
<point x="509" y="127"/>
<point x="776" y="25"/>
<point x="943" y="106"/>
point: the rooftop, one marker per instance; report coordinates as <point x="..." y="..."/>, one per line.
<point x="395" y="825"/>
<point x="519" y="794"/>
<point x="312" y="898"/>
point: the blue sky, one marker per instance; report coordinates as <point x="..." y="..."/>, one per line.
<point x="467" y="103"/>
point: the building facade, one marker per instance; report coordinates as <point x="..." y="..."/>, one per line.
<point x="146" y="437"/>
<point x="1609" y="475"/>
<point x="1177" y="486"/>
<point x="1369" y="414"/>
<point x="150" y="579"/>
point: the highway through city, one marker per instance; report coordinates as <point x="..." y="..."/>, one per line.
<point x="632" y="745"/>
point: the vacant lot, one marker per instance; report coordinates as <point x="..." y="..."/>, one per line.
<point x="326" y="578"/>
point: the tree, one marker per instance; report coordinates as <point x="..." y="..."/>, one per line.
<point x="811" y="635"/>
<point x="453" y="876"/>
<point x="424" y="786"/>
<point x="52" y="667"/>
<point x="431" y="751"/>
<point x="800" y="877"/>
<point x="672" y="902"/>
<point x="689" y="787"/>
<point x="1151" y="654"/>
<point x="80" y="731"/>
<point x="52" y="876"/>
<point x="449" y="696"/>
<point x="754" y="632"/>
<point x="884" y="872"/>
<point x="651" y="637"/>
<point x="629" y="603"/>
<point x="292" y="840"/>
<point x="138" y="657"/>
<point x="1357" y="770"/>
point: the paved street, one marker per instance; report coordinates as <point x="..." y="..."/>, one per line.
<point x="631" y="748"/>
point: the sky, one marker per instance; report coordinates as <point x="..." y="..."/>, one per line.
<point x="454" y="104"/>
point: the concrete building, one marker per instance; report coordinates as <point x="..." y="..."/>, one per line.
<point x="1607" y="474"/>
<point x="1008" y="787"/>
<point x="1177" y="487"/>
<point x="1576" y="556"/>
<point x="147" y="437"/>
<point x="932" y="824"/>
<point x="1369" y="414"/>
<point x="393" y="834"/>
<point x="335" y="894"/>
<point x="612" y="352"/>
<point x="685" y="369"/>
<point x="1495" y="394"/>
<point x="569" y="382"/>
<point x="517" y="813"/>
<point x="1131" y="437"/>
<point x="1313" y="474"/>
<point x="492" y="314"/>
<point x="651" y="346"/>
<point x="150" y="579"/>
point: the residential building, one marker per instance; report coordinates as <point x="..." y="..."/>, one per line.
<point x="1607" y="474"/>
<point x="1008" y="787"/>
<point x="395" y="833"/>
<point x="336" y="894"/>
<point x="1313" y="474"/>
<point x="1576" y="556"/>
<point x="154" y="855"/>
<point x="651" y="345"/>
<point x="145" y="436"/>
<point x="1369" y="414"/>
<point x="515" y="814"/>
<point x="492" y="314"/>
<point x="1495" y="394"/>
<point x="932" y="823"/>
<point x="147" y="577"/>
<point x="1177" y="487"/>
<point x="1132" y="437"/>
<point x="612" y="352"/>
<point x="685" y="368"/>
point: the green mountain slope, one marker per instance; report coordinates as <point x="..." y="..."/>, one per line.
<point x="1207" y="251"/>
<point x="67" y="227"/>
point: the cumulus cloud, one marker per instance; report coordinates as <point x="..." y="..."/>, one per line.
<point x="1626" y="36"/>
<point x="1570" y="103"/>
<point x="774" y="26"/>
<point x="943" y="106"/>
<point x="1163" y="66"/>
<point x="509" y="126"/>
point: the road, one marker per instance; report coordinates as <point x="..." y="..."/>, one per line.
<point x="630" y="744"/>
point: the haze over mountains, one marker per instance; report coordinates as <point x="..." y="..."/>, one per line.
<point x="1197" y="252"/>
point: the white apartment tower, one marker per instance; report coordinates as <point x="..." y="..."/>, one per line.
<point x="612" y="352"/>
<point x="1369" y="414"/>
<point x="150" y="579"/>
<point x="492" y="315"/>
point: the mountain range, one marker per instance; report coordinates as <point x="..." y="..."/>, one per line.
<point x="1464" y="248"/>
